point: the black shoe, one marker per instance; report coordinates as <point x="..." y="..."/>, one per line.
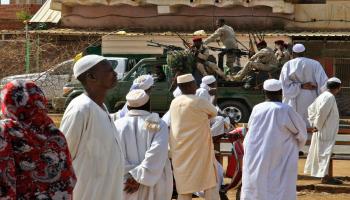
<point x="331" y="181"/>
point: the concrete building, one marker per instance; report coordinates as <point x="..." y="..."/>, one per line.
<point x="9" y="10"/>
<point x="189" y="15"/>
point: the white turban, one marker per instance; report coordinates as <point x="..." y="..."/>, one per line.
<point x="136" y="98"/>
<point x="334" y="79"/>
<point x="298" y="48"/>
<point x="186" y="78"/>
<point x="208" y="79"/>
<point x="143" y="82"/>
<point x="177" y="92"/>
<point x="272" y="85"/>
<point x="85" y="63"/>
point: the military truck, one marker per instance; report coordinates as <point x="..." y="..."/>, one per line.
<point x="232" y="97"/>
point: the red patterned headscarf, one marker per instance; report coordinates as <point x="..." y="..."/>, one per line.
<point x="34" y="153"/>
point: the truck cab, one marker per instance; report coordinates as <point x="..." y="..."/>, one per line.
<point x="232" y="97"/>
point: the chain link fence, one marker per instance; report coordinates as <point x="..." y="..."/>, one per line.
<point x="46" y="60"/>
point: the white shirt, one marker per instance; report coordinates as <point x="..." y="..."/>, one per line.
<point x="96" y="152"/>
<point x="270" y="162"/>
<point x="324" y="115"/>
<point x="299" y="71"/>
<point x="146" y="155"/>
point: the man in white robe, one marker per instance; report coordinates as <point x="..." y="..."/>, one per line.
<point x="91" y="134"/>
<point x="270" y="162"/>
<point x="324" y="118"/>
<point x="303" y="79"/>
<point x="144" y="82"/>
<point x="144" y="139"/>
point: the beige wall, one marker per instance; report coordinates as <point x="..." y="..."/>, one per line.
<point x="276" y="14"/>
<point x="331" y="15"/>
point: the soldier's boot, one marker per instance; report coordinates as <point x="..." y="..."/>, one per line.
<point x="201" y="69"/>
<point x="243" y="72"/>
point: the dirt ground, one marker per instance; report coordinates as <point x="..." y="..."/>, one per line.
<point x="341" y="169"/>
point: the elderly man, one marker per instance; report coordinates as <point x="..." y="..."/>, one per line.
<point x="227" y="36"/>
<point x="144" y="82"/>
<point x="270" y="162"/>
<point x="144" y="138"/>
<point x="263" y="60"/>
<point x="324" y="118"/>
<point x="303" y="79"/>
<point x="201" y="53"/>
<point x="191" y="146"/>
<point x="91" y="134"/>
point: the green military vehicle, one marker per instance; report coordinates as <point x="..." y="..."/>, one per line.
<point x="233" y="98"/>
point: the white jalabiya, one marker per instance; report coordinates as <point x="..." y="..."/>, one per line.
<point x="324" y="115"/>
<point x="270" y="162"/>
<point x="95" y="149"/>
<point x="146" y="156"/>
<point x="296" y="72"/>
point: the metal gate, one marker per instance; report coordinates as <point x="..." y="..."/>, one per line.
<point x="342" y="71"/>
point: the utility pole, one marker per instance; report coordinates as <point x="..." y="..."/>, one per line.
<point x="27" y="48"/>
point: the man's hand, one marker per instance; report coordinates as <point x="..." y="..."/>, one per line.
<point x="314" y="129"/>
<point x="308" y="86"/>
<point x="131" y="185"/>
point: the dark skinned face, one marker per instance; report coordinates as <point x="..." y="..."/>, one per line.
<point x="103" y="75"/>
<point x="218" y="24"/>
<point x="197" y="44"/>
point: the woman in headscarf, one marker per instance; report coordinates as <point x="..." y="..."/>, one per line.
<point x="35" y="162"/>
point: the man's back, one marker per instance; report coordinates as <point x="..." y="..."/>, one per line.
<point x="227" y="36"/>
<point x="271" y="152"/>
<point x="191" y="144"/>
<point x="278" y="126"/>
<point x="299" y="71"/>
<point x="303" y="70"/>
<point x="146" y="154"/>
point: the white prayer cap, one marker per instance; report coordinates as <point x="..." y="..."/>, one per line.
<point x="143" y="82"/>
<point x="185" y="78"/>
<point x="208" y="79"/>
<point x="272" y="85"/>
<point x="177" y="92"/>
<point x="298" y="48"/>
<point x="334" y="79"/>
<point x="136" y="98"/>
<point x="85" y="63"/>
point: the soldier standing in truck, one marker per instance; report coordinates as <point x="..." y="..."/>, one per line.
<point x="227" y="36"/>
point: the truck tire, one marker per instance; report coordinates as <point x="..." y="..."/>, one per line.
<point x="235" y="110"/>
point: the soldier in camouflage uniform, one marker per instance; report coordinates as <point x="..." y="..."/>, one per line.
<point x="201" y="53"/>
<point x="263" y="60"/>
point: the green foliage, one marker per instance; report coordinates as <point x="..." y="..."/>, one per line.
<point x="182" y="61"/>
<point x="23" y="15"/>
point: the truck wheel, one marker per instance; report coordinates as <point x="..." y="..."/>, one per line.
<point x="235" y="110"/>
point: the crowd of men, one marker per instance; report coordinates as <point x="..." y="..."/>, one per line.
<point x="136" y="154"/>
